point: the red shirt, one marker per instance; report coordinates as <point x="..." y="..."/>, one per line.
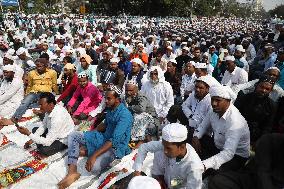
<point x="69" y="88"/>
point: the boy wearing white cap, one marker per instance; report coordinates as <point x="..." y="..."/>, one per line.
<point x="228" y="149"/>
<point x="176" y="164"/>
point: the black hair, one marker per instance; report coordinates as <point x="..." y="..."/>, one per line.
<point x="178" y="144"/>
<point x="68" y="59"/>
<point x="44" y="55"/>
<point x="50" y="98"/>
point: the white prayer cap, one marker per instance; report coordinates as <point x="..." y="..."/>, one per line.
<point x="273" y="68"/>
<point x="223" y="92"/>
<point x="115" y="45"/>
<point x="9" y="68"/>
<point x="9" y="56"/>
<point x="206" y="80"/>
<point x="230" y="58"/>
<point x="201" y="65"/>
<point x="224" y="51"/>
<point x="172" y="60"/>
<point x="189" y="39"/>
<point x="169" y="48"/>
<point x="143" y="182"/>
<point x="185" y="48"/>
<point x="20" y="51"/>
<point x="140" y="45"/>
<point x="114" y="60"/>
<point x="88" y="44"/>
<point x="212" y="46"/>
<point x="137" y="61"/>
<point x="184" y="43"/>
<point x="206" y="54"/>
<point x="174" y="132"/>
<point x="240" y="48"/>
<point x="191" y="62"/>
<point x="203" y="43"/>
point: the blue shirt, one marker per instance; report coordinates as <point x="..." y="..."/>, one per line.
<point x="118" y="129"/>
<point x="214" y="60"/>
<point x="281" y="79"/>
<point x="125" y="66"/>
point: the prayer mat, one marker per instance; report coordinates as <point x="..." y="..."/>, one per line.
<point x="4" y="141"/>
<point x="11" y="176"/>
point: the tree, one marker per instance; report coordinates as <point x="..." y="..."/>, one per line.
<point x="278" y="11"/>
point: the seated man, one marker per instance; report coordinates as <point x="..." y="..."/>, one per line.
<point x="176" y="164"/>
<point x="108" y="142"/>
<point x="233" y="74"/>
<point x="257" y="108"/>
<point x="146" y="120"/>
<point x="70" y="83"/>
<point x="55" y="127"/>
<point x="264" y="171"/>
<point x="158" y="91"/>
<point x="192" y="112"/>
<point x="229" y="147"/>
<point x="11" y="92"/>
<point x="113" y="74"/>
<point x="90" y="98"/>
<point x="40" y="80"/>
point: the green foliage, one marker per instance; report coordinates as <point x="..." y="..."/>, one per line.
<point x="279" y="11"/>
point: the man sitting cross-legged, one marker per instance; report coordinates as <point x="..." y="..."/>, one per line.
<point x="108" y="142"/>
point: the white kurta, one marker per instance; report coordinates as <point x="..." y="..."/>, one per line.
<point x="231" y="136"/>
<point x="184" y="174"/>
<point x="196" y="110"/>
<point x="161" y="96"/>
<point x="11" y="95"/>
<point x="59" y="124"/>
<point x="238" y="76"/>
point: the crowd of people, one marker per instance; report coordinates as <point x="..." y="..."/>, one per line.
<point x="205" y="95"/>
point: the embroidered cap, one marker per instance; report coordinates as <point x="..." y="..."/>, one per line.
<point x="174" y="132"/>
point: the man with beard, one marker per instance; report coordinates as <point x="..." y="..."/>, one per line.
<point x="159" y="61"/>
<point x="137" y="72"/>
<point x="175" y="164"/>
<point x="146" y="121"/>
<point x="228" y="149"/>
<point x="108" y="142"/>
<point x="182" y="59"/>
<point x="257" y="108"/>
<point x="113" y="74"/>
<point x="158" y="91"/>
<point x="11" y="92"/>
<point x="233" y="74"/>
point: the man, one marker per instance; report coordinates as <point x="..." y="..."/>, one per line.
<point x="229" y="147"/>
<point x="124" y="64"/>
<point x="85" y="99"/>
<point x="196" y="54"/>
<point x="263" y="171"/>
<point x="25" y="61"/>
<point x="240" y="60"/>
<point x="176" y="164"/>
<point x="158" y="91"/>
<point x="113" y="74"/>
<point x="40" y="80"/>
<point x="88" y="68"/>
<point x="250" y="52"/>
<point x="182" y="59"/>
<point x="213" y="58"/>
<point x="92" y="53"/>
<point x="257" y="108"/>
<point x="194" y="108"/>
<point x="70" y="83"/>
<point x="188" y="78"/>
<point x="159" y="61"/>
<point x="233" y="74"/>
<point x="9" y="60"/>
<point x="109" y="141"/>
<point x="137" y="72"/>
<point x="11" y="92"/>
<point x="173" y="76"/>
<point x="146" y="120"/>
<point x="51" y="132"/>
<point x="139" y="53"/>
<point x="269" y="57"/>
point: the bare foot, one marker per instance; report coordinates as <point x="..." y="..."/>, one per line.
<point x="68" y="180"/>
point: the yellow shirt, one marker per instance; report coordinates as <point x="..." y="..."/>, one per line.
<point x="46" y="82"/>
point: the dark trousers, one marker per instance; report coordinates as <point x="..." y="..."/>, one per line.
<point x="209" y="149"/>
<point x="55" y="147"/>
